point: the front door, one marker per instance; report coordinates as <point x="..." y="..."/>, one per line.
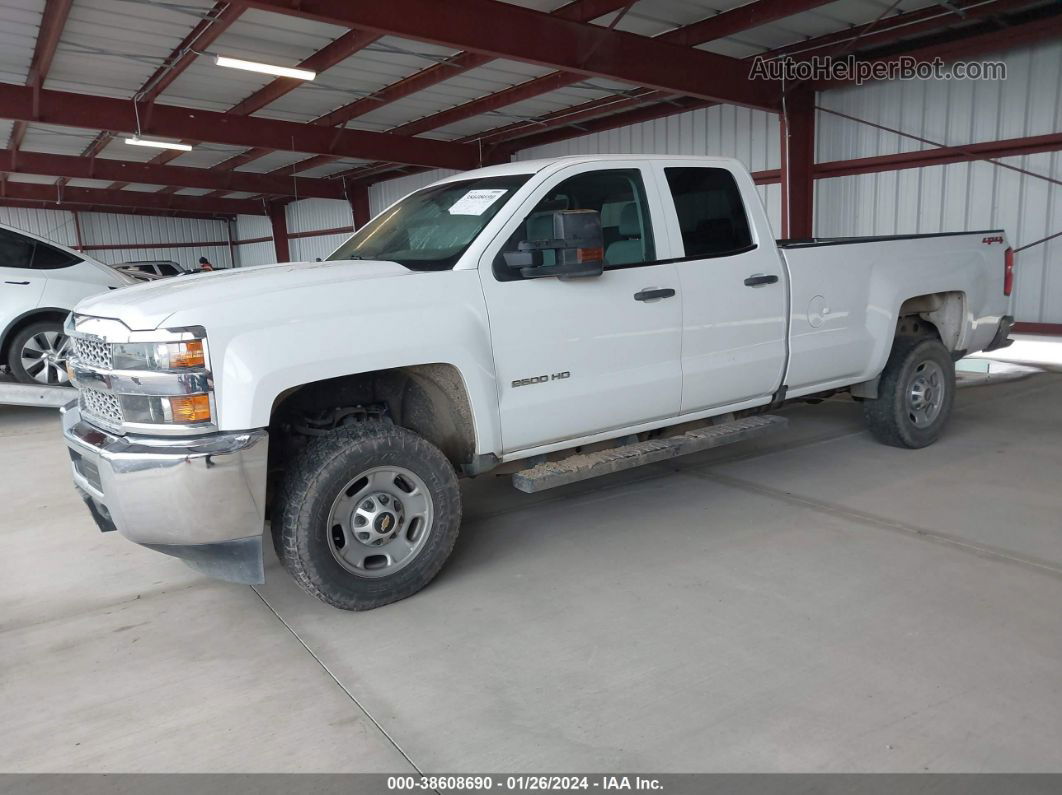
<point x="582" y="356"/>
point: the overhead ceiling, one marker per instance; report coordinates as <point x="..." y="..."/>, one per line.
<point x="401" y="85"/>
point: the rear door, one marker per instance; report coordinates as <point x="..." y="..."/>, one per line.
<point x="20" y="286"/>
<point x="576" y="357"/>
<point x="733" y="286"/>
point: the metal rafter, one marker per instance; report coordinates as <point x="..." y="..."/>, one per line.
<point x="168" y="121"/>
<point x="578" y="11"/>
<point x="715" y="27"/>
<point x="52" y="195"/>
<point x="325" y="58"/>
<point x="537" y="37"/>
<point x="53" y="20"/>
<point x="152" y="174"/>
<point x="206" y="32"/>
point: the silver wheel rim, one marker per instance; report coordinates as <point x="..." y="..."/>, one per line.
<point x="380" y="521"/>
<point x="43" y="357"/>
<point x="925" y="394"/>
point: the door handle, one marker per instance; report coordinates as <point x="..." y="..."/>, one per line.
<point x="653" y="293"/>
<point x="760" y="279"/>
<point x="6" y="282"/>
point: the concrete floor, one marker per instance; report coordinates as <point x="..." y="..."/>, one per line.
<point x="809" y="602"/>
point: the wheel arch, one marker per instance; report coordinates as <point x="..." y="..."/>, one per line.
<point x="430" y="399"/>
<point x="944" y="313"/>
<point x="26" y="318"/>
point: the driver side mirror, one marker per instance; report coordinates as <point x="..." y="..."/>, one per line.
<point x="577" y="243"/>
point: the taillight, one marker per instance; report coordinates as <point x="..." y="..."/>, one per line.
<point x="1008" y="271"/>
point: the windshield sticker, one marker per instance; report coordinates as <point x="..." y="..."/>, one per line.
<point x="476" y="202"/>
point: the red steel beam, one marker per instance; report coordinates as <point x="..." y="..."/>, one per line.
<point x="205" y="33"/>
<point x="322" y="60"/>
<point x="798" y="163"/>
<point x="718" y="26"/>
<point x="579" y="11"/>
<point x="968" y="46"/>
<point x="53" y="20"/>
<point x="537" y="37"/>
<point x="279" y="222"/>
<point x="41" y="204"/>
<point x="892" y="29"/>
<point x="359" y="204"/>
<point x="147" y="173"/>
<point x="900" y="26"/>
<point x="1011" y="147"/>
<point x="51" y="196"/>
<point x="84" y="111"/>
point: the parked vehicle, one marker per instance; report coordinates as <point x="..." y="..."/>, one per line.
<point x="40" y="281"/>
<point x="573" y="317"/>
<point x="153" y="268"/>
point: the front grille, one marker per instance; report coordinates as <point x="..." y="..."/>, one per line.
<point x="92" y="352"/>
<point x="101" y="407"/>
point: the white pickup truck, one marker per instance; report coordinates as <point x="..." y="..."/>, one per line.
<point x="577" y="315"/>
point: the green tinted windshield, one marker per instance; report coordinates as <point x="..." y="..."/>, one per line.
<point x="430" y="229"/>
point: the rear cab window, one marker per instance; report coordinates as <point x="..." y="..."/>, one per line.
<point x="711" y="214"/>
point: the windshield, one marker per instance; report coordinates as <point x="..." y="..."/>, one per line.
<point x="430" y="229"/>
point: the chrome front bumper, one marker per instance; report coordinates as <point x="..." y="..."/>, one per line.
<point x="200" y="498"/>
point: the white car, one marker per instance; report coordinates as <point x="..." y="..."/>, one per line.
<point x="40" y="282"/>
<point x="572" y="317"/>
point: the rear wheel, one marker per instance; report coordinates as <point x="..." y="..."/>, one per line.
<point x="915" y="394"/>
<point x="367" y="516"/>
<point x="38" y="354"/>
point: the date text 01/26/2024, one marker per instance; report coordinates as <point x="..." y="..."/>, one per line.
<point x="539" y="783"/>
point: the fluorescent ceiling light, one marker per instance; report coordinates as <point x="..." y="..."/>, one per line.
<point x="266" y="68"/>
<point x="136" y="140"/>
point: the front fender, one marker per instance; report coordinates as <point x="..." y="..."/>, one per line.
<point x="260" y="352"/>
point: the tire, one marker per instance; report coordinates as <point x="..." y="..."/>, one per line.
<point x="915" y="394"/>
<point x="37" y="354"/>
<point x="322" y="497"/>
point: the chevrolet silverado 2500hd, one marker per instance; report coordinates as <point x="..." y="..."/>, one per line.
<point x="579" y="315"/>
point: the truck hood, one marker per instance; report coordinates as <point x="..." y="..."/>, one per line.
<point x="146" y="306"/>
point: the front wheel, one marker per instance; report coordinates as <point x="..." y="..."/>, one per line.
<point x="38" y="354"/>
<point x="915" y="394"/>
<point x="367" y="516"/>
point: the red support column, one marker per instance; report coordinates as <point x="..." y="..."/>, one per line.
<point x="798" y="164"/>
<point x="278" y="218"/>
<point x="359" y="204"/>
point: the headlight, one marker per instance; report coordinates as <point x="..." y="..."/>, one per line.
<point x="145" y="382"/>
<point x="171" y="410"/>
<point x="158" y="355"/>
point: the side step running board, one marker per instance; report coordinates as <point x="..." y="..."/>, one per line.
<point x="583" y="466"/>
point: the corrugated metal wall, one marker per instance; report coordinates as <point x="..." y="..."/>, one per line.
<point x="252" y="227"/>
<point x="309" y="215"/>
<point x="98" y="229"/>
<point x="963" y="196"/>
<point x="383" y="194"/>
<point x="111" y="229"/>
<point x="57" y="225"/>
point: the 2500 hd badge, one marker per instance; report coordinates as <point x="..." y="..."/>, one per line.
<point x="541" y="379"/>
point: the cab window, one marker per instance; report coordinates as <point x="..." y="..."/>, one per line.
<point x="710" y="212"/>
<point x="617" y="195"/>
